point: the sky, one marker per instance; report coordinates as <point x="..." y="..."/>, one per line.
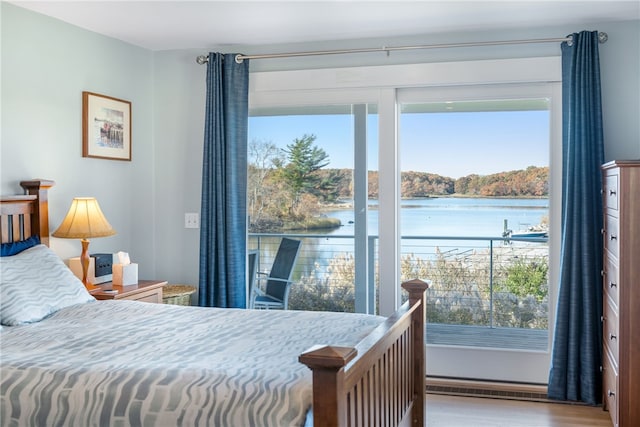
<point x="451" y="144"/>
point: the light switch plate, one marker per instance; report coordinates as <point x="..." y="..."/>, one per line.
<point x="191" y="220"/>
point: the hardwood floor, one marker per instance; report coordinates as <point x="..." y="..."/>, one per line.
<point x="457" y="411"/>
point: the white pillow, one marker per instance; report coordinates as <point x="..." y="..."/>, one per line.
<point x="36" y="283"/>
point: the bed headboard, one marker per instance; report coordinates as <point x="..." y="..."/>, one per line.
<point x="26" y="215"/>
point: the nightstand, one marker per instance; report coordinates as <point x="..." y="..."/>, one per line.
<point x="145" y="290"/>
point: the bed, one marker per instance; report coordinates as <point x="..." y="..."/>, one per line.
<point x="66" y="359"/>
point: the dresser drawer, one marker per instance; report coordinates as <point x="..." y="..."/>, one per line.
<point x="611" y="280"/>
<point x="611" y="238"/>
<point x="144" y="290"/>
<point x="154" y="296"/>
<point x="610" y="333"/>
<point x="610" y="388"/>
<point x="610" y="196"/>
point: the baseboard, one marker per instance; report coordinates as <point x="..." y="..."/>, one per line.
<point x="490" y="389"/>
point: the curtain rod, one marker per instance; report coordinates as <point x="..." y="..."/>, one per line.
<point x="203" y="59"/>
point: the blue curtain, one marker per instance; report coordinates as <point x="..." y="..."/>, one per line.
<point x="577" y="346"/>
<point x="224" y="184"/>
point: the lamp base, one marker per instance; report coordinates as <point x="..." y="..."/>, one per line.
<point x="84" y="261"/>
<point x="76" y="267"/>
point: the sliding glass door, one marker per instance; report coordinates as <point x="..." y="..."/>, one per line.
<point x="475" y="182"/>
<point x="487" y="275"/>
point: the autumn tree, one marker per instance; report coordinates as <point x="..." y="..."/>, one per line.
<point x="263" y="155"/>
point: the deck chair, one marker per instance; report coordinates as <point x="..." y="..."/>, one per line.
<point x="252" y="269"/>
<point x="278" y="281"/>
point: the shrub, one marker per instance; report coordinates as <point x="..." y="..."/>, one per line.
<point x="528" y="277"/>
<point x="459" y="290"/>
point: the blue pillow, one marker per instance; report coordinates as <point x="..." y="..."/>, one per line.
<point x="13" y="248"/>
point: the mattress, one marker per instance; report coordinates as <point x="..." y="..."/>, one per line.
<point x="128" y="363"/>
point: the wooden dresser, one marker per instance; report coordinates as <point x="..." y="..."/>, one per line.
<point x="621" y="296"/>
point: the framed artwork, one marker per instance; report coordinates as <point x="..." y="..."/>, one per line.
<point x="106" y="127"/>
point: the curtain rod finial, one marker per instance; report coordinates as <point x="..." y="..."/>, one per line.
<point x="602" y="37"/>
<point x="202" y="59"/>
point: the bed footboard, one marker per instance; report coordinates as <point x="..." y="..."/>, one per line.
<point x="380" y="381"/>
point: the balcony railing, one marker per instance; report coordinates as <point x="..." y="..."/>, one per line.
<point x="490" y="282"/>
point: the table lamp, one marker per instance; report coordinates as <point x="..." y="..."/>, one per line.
<point x="83" y="221"/>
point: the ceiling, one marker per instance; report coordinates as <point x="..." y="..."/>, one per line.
<point x="164" y="25"/>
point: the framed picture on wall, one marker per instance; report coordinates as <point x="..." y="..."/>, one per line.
<point x="106" y="127"/>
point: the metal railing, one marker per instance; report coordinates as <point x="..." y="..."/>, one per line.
<point x="474" y="280"/>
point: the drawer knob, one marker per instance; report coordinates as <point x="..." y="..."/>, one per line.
<point x="613" y="237"/>
<point x="613" y="285"/>
<point x="612" y="337"/>
<point x="610" y="393"/>
<point x="612" y="192"/>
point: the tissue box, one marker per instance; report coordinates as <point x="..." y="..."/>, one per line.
<point x="125" y="274"/>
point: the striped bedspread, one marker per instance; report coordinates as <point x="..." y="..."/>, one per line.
<point x="127" y="363"/>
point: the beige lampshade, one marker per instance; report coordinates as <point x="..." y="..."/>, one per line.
<point x="84" y="220"/>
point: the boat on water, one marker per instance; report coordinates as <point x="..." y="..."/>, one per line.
<point x="539" y="231"/>
<point x="528" y="233"/>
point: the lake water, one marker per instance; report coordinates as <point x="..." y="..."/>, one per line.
<point x="433" y="217"/>
<point x="453" y="216"/>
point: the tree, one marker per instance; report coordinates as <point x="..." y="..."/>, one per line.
<point x="304" y="159"/>
<point x="328" y="186"/>
<point x="263" y="155"/>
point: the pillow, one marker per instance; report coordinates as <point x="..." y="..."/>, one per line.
<point x="36" y="283"/>
<point x="13" y="248"/>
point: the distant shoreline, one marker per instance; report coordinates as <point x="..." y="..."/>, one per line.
<point x="348" y="204"/>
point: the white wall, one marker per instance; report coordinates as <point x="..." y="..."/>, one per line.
<point x="46" y="64"/>
<point x="620" y="74"/>
<point x="179" y="90"/>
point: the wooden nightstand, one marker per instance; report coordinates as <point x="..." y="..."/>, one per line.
<point x="145" y="290"/>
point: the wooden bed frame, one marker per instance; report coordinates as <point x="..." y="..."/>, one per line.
<point x="379" y="382"/>
<point x="26" y="215"/>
